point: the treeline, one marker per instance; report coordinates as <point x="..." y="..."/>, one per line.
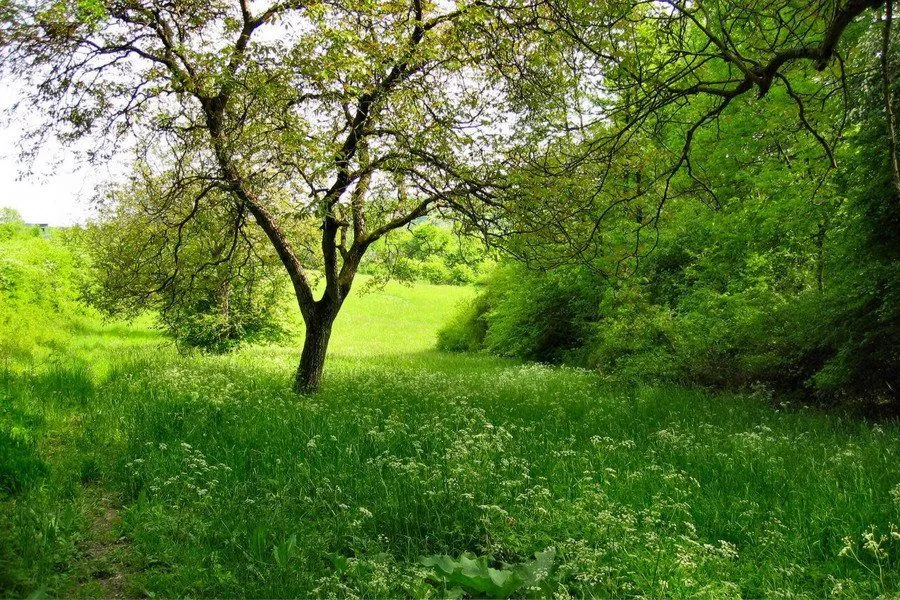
<point x="54" y="282"/>
<point x="774" y="272"/>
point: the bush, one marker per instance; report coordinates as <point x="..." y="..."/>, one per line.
<point x="525" y="314"/>
<point x="218" y="318"/>
<point x="466" y="330"/>
<point x="39" y="288"/>
<point x="729" y="299"/>
<point x="213" y="286"/>
<point x="634" y="339"/>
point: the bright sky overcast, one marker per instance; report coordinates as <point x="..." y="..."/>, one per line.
<point x="59" y="190"/>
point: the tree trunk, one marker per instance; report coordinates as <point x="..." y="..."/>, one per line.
<point x="315" y="345"/>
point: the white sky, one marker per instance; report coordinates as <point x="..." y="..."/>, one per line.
<point x="59" y="190"/>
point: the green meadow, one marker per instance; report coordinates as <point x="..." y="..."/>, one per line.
<point x="129" y="470"/>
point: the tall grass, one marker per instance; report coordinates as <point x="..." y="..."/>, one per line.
<point x="225" y="484"/>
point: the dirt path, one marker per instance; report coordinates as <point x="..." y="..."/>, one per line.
<point x="102" y="570"/>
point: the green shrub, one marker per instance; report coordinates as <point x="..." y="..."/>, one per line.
<point x="217" y="323"/>
<point x="212" y="287"/>
<point x="729" y="299"/>
<point x="526" y="314"/>
<point x="466" y="330"/>
<point x="634" y="339"/>
<point x="39" y="289"/>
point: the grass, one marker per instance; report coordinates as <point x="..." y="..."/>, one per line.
<point x="133" y="471"/>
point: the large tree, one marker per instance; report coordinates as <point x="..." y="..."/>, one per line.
<point x="362" y="116"/>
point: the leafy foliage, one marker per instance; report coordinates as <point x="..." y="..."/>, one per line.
<point x="788" y="294"/>
<point x="521" y="314"/>
<point x="474" y="576"/>
<point x="764" y="268"/>
<point x="40" y="281"/>
<point x="212" y="285"/>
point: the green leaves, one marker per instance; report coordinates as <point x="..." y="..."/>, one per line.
<point x="473" y="575"/>
<point x="285" y="551"/>
<point x="214" y="281"/>
<point x="90" y="11"/>
<point x="260" y="550"/>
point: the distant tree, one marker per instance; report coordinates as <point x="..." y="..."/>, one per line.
<point x="360" y="116"/>
<point x="212" y="282"/>
<point x="429" y="251"/>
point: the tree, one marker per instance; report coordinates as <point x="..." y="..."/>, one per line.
<point x="361" y="116"/>
<point x="212" y="283"/>
<point x="653" y="75"/>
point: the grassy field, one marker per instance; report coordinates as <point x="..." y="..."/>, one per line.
<point x="128" y="470"/>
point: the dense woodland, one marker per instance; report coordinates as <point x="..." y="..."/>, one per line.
<point x="592" y="298"/>
<point x="775" y="265"/>
<point x="782" y="272"/>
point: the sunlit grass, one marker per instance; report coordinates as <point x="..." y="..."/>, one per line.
<point x="227" y="484"/>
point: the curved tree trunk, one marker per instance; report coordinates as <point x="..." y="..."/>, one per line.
<point x="315" y="345"/>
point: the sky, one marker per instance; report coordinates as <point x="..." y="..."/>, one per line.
<point x="59" y="190"/>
